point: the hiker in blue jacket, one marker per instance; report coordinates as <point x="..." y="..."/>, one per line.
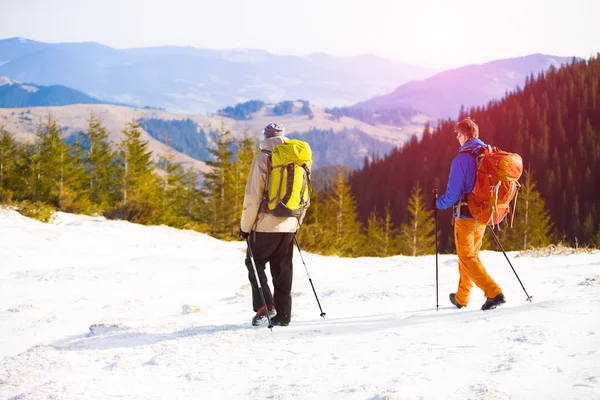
<point x="468" y="231"/>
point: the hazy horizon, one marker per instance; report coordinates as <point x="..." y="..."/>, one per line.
<point x="434" y="34"/>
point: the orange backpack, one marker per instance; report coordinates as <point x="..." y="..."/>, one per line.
<point x="496" y="184"/>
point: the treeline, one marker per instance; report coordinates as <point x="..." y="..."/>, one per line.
<point x="392" y="116"/>
<point x="241" y="111"/>
<point x="91" y="175"/>
<point x="553" y="122"/>
<point x="287" y="107"/>
<point x="332" y="227"/>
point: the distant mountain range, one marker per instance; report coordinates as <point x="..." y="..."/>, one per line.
<point x="15" y="94"/>
<point x="185" y="79"/>
<point x="442" y="95"/>
<point x="335" y="139"/>
<point x="189" y="79"/>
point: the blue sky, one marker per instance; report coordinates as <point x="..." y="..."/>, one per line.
<point x="440" y="33"/>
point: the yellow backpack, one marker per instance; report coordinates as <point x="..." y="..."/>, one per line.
<point x="287" y="193"/>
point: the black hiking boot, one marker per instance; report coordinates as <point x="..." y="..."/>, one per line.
<point x="261" y="316"/>
<point x="453" y="300"/>
<point x="491" y="303"/>
<point x="280" y="321"/>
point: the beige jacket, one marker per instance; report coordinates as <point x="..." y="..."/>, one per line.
<point x="255" y="191"/>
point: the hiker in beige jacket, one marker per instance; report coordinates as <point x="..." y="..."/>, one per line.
<point x="271" y="238"/>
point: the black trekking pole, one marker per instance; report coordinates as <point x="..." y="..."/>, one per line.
<point x="437" y="302"/>
<point x="262" y="295"/>
<point x="509" y="263"/>
<point x="309" y="279"/>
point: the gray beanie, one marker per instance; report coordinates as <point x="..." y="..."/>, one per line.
<point x="273" y="130"/>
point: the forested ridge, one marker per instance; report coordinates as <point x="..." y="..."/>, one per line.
<point x="553" y="123"/>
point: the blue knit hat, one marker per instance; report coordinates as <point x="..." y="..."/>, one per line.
<point x="273" y="130"/>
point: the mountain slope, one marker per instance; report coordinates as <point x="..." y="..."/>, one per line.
<point x="335" y="140"/>
<point x="109" y="309"/>
<point x="15" y="94"/>
<point x="442" y="95"/>
<point x="198" y="80"/>
<point x="23" y="123"/>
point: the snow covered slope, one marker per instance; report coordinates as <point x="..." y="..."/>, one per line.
<point x="98" y="309"/>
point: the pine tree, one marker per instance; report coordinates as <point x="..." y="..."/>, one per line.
<point x="419" y="232"/>
<point x="218" y="184"/>
<point x="136" y="161"/>
<point x="75" y="196"/>
<point x="341" y="219"/>
<point x="57" y="169"/>
<point x="193" y="198"/>
<point x="531" y="226"/>
<point x="141" y="193"/>
<point x="246" y="149"/>
<point x="175" y="189"/>
<point x="314" y="234"/>
<point x="375" y="245"/>
<point x="8" y="162"/>
<point x="26" y="185"/>
<point x="390" y="238"/>
<point x="99" y="160"/>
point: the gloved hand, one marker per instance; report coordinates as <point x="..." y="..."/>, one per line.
<point x="244" y="235"/>
<point x="433" y="205"/>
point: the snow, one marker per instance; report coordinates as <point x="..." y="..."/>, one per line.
<point x="96" y="309"/>
<point x="5" y="80"/>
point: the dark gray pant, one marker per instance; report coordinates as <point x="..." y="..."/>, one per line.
<point x="276" y="249"/>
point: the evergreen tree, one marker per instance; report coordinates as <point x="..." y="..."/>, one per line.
<point x="141" y="192"/>
<point x="99" y="160"/>
<point x="75" y="196"/>
<point x="390" y="238"/>
<point x="218" y="184"/>
<point x="27" y="173"/>
<point x="8" y="162"/>
<point x="314" y="234"/>
<point x="341" y="219"/>
<point x="58" y="170"/>
<point x="193" y="198"/>
<point x="419" y="233"/>
<point x="246" y="150"/>
<point x="48" y="145"/>
<point x="175" y="189"/>
<point x="531" y="225"/>
<point x="374" y="245"/>
<point x="136" y="162"/>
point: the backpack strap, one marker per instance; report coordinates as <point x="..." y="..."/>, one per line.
<point x="266" y="190"/>
<point x="265" y="199"/>
<point x="478" y="153"/>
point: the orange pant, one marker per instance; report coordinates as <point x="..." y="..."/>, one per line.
<point x="468" y="236"/>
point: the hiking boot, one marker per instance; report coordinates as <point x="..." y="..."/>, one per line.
<point x="453" y="300"/>
<point x="261" y="316"/>
<point x="491" y="303"/>
<point x="280" y="321"/>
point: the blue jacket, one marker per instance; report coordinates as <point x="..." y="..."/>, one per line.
<point x="462" y="177"/>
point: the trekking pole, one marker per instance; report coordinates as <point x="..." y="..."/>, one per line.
<point x="262" y="295"/>
<point x="437" y="302"/>
<point x="309" y="279"/>
<point x="509" y="263"/>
